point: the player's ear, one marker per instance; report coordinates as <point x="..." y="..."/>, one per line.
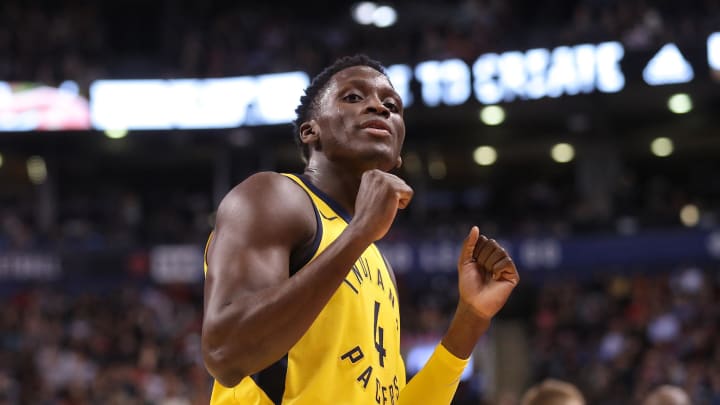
<point x="399" y="162"/>
<point x="309" y="132"/>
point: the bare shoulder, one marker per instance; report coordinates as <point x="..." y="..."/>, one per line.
<point x="267" y="205"/>
<point x="264" y="187"/>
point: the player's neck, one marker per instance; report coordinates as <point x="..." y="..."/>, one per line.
<point x="336" y="181"/>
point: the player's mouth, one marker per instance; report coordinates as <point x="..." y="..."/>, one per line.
<point x="377" y="128"/>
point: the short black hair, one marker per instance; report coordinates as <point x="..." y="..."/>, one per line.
<point x="308" y="102"/>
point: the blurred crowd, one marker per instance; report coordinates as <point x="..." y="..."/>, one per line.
<point x="616" y="337"/>
<point x="81" y="40"/>
<point x="620" y="337"/>
<point x="111" y="345"/>
<point x="625" y="199"/>
<point x="121" y="217"/>
<point x="113" y="218"/>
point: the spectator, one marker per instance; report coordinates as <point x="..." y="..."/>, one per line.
<point x="667" y="395"/>
<point x="553" y="392"/>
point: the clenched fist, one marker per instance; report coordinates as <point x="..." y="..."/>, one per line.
<point x="486" y="275"/>
<point x="379" y="197"/>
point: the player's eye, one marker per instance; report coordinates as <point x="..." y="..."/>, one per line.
<point x="391" y="106"/>
<point x="352" y="97"/>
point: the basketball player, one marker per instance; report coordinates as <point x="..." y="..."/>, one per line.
<point x="292" y="270"/>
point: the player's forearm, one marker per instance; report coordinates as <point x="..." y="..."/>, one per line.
<point x="437" y="381"/>
<point x="464" y="332"/>
<point x="257" y="329"/>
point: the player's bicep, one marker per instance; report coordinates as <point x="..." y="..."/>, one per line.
<point x="243" y="263"/>
<point x="239" y="265"/>
<point x="253" y="239"/>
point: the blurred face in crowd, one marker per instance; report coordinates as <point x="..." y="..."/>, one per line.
<point x="359" y="119"/>
<point x="553" y="392"/>
<point x="667" y="395"/>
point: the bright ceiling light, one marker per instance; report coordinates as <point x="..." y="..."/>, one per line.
<point x="690" y="215"/>
<point x="363" y="12"/>
<point x="36" y="169"/>
<point x="492" y="115"/>
<point x="662" y="147"/>
<point x="116" y="133"/>
<point x="562" y="152"/>
<point x="412" y="163"/>
<point x="485" y="155"/>
<point x="680" y="103"/>
<point x="384" y="16"/>
<point x="437" y="168"/>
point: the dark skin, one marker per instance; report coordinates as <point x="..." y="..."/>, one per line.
<point x="251" y="313"/>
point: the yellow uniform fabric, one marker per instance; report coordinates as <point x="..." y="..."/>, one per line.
<point x="438" y="380"/>
<point x="351" y="352"/>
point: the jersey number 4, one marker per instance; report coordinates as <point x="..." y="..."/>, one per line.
<point x="378" y="336"/>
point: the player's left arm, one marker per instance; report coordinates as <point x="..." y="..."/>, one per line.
<point x="486" y="277"/>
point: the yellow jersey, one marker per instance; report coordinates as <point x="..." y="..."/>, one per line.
<point x="351" y="352"/>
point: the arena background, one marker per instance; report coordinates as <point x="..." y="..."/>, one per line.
<point x="108" y="187"/>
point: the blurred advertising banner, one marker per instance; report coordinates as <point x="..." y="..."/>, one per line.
<point x="586" y="254"/>
<point x="713" y="55"/>
<point x="539" y="256"/>
<point x="176" y="263"/>
<point x="29" y="267"/>
<point x="270" y="99"/>
<point x="492" y="78"/>
<point x="196" y="103"/>
<point x="27" y="106"/>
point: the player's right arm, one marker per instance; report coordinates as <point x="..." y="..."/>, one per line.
<point x="254" y="311"/>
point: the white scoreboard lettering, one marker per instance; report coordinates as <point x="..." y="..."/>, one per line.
<point x="512" y="74"/>
<point x="212" y="103"/>
<point x="400" y="77"/>
<point x="271" y="99"/>
<point x="194" y="103"/>
<point x="278" y="96"/>
<point x="488" y="90"/>
<point x="444" y="81"/>
<point x="536" y="62"/>
<point x="713" y="51"/>
<point x="587" y="62"/>
<point x="561" y="76"/>
<point x="610" y="78"/>
<point x="541" y="73"/>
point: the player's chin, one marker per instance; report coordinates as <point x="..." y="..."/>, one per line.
<point x="388" y="159"/>
<point x="385" y="162"/>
